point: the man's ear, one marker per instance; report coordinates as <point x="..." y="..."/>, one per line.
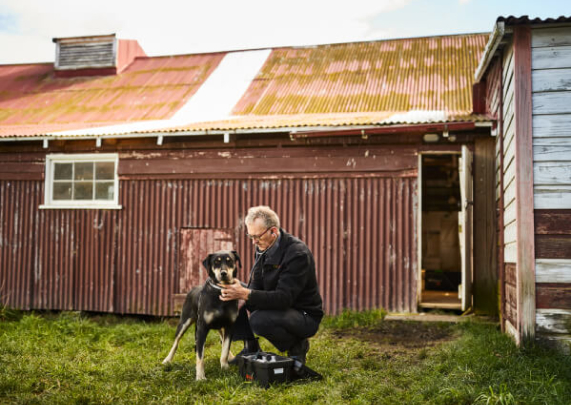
<point x="206" y="262"/>
<point x="237" y="258"/>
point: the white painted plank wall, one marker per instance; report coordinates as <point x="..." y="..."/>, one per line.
<point x="553" y="320"/>
<point x="510" y="248"/>
<point x="552" y="271"/>
<point x="551" y="98"/>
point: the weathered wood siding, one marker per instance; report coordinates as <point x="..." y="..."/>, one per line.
<point x="81" y="53"/>
<point x="514" y="189"/>
<point x="506" y="195"/>
<point x="494" y="108"/>
<point x="524" y="184"/>
<point x="551" y="78"/>
<point x="510" y="305"/>
<point x="506" y="160"/>
<point x="485" y="274"/>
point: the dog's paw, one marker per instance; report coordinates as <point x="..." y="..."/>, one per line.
<point x="224" y="366"/>
<point x="200" y="375"/>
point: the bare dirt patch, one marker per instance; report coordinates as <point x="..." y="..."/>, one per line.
<point x="400" y="336"/>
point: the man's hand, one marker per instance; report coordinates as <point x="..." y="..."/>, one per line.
<point x="234" y="291"/>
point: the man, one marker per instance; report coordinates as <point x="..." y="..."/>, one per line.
<point x="282" y="294"/>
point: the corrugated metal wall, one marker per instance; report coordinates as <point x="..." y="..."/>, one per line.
<point x="360" y="229"/>
<point x="19" y="201"/>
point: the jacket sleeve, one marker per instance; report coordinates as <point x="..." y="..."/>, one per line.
<point x="292" y="278"/>
<point x="256" y="280"/>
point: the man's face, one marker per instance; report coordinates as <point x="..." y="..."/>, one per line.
<point x="260" y="235"/>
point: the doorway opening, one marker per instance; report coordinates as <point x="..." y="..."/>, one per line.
<point x="441" y="254"/>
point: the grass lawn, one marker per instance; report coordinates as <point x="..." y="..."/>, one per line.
<point x="72" y="358"/>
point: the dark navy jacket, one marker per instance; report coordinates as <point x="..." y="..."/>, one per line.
<point x="286" y="279"/>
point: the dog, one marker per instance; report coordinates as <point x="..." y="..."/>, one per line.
<point x="204" y="308"/>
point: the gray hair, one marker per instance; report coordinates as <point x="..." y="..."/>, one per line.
<point x="269" y="217"/>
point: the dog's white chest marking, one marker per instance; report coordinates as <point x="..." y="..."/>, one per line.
<point x="209" y="316"/>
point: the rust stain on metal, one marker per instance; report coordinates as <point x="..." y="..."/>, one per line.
<point x="195" y="246"/>
<point x="149" y="89"/>
<point x="433" y="73"/>
<point x="341" y="84"/>
<point x="360" y="229"/>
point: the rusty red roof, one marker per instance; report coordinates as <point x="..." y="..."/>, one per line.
<point x="365" y="83"/>
<point x="433" y="73"/>
<point x="33" y="101"/>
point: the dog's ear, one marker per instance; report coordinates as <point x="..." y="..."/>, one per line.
<point x="237" y="258"/>
<point x="206" y="262"/>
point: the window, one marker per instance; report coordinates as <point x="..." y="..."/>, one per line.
<point x="82" y="181"/>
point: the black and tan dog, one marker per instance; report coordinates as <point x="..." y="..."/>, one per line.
<point x="203" y="307"/>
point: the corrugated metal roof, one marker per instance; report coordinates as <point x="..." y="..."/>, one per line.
<point x="149" y="89"/>
<point x="502" y="28"/>
<point x="432" y="73"/>
<point x="524" y="19"/>
<point x="250" y="122"/>
<point x="366" y="83"/>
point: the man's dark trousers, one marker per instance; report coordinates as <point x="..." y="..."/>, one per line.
<point x="283" y="328"/>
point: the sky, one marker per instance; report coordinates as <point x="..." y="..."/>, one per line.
<point x="173" y="27"/>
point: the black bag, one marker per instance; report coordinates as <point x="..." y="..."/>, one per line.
<point x="267" y="368"/>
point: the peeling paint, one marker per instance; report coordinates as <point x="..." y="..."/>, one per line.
<point x="361" y="231"/>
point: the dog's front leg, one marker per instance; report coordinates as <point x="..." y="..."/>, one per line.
<point x="226" y="337"/>
<point x="201" y="332"/>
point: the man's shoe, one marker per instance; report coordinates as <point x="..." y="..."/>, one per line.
<point x="250" y="347"/>
<point x="299" y="351"/>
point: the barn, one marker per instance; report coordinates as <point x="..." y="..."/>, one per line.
<point x="119" y="172"/>
<point x="526" y="76"/>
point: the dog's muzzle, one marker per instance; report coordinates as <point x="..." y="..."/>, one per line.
<point x="225" y="277"/>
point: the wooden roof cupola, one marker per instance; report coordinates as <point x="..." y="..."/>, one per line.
<point x="100" y="55"/>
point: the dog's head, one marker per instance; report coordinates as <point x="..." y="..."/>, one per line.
<point x="222" y="266"/>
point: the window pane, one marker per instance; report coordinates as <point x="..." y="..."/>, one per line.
<point x="104" y="190"/>
<point x="83" y="171"/>
<point x="62" y="171"/>
<point x="62" y="191"/>
<point x="104" y="170"/>
<point x="83" y="190"/>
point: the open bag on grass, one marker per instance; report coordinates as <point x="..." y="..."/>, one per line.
<point x="267" y="368"/>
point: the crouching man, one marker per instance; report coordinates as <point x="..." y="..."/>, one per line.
<point x="282" y="296"/>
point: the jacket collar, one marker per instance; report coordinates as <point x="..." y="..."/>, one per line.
<point x="275" y="253"/>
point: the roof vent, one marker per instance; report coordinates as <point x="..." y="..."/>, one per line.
<point x="99" y="55"/>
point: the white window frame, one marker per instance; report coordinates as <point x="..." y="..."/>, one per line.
<point x="50" y="203"/>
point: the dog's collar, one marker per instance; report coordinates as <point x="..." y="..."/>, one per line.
<point x="213" y="284"/>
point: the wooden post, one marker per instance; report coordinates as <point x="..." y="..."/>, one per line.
<point x="485" y="288"/>
<point x="524" y="184"/>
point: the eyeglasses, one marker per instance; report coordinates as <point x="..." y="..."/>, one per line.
<point x="257" y="237"/>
